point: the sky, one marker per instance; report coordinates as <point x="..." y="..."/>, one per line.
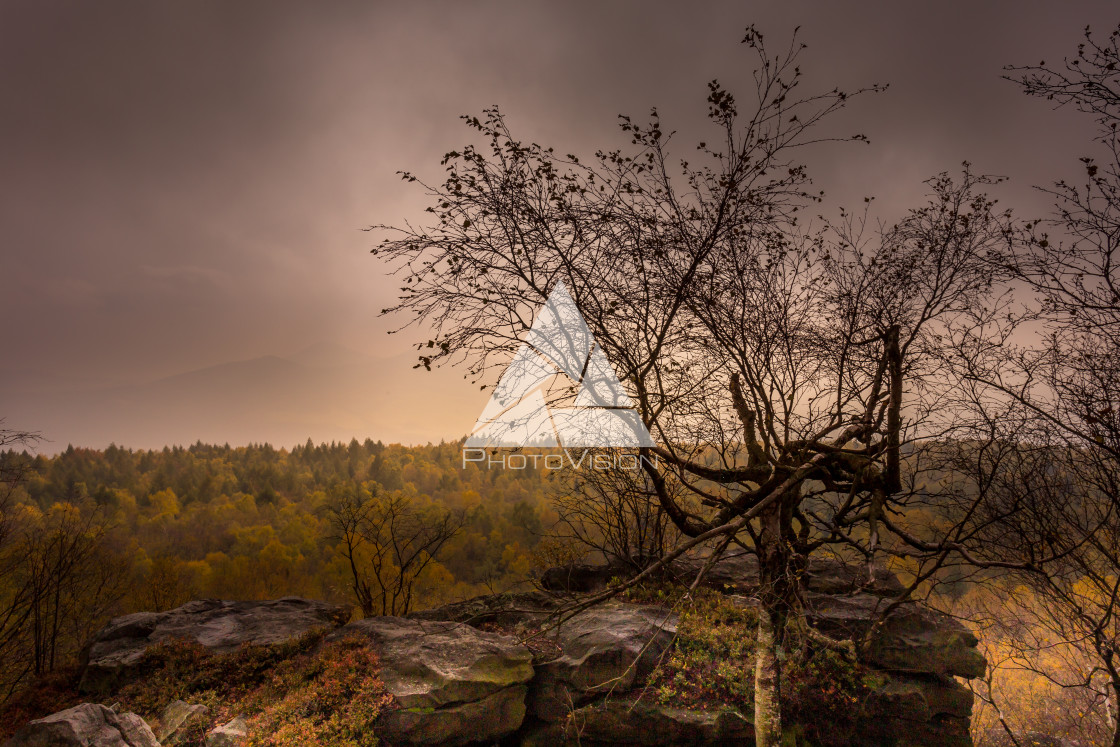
<point x="184" y="185"/>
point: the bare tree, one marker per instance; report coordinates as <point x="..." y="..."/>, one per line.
<point x="1049" y="394"/>
<point x="614" y="512"/>
<point x="1056" y="535"/>
<point x="387" y="542"/>
<point x="782" y="370"/>
<point x="65" y="567"/>
<point x="13" y="469"/>
<point x="58" y="574"/>
<point x="14" y="597"/>
<point x="1074" y="380"/>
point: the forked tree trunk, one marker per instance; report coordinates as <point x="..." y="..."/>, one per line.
<point x="767" y="684"/>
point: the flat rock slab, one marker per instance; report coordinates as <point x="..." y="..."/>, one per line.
<point x="642" y="723"/>
<point x="626" y="722"/>
<point x="912" y="638"/>
<point x="917" y="710"/>
<point x="508" y="610"/>
<point x="606" y="648"/>
<point x="452" y="684"/>
<point x="220" y="626"/>
<point x="733" y="573"/>
<point x="85" y="725"/>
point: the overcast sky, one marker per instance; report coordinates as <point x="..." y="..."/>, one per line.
<point x="184" y="184"/>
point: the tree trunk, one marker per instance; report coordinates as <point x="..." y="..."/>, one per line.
<point x="774" y="596"/>
<point x="767" y="684"/>
<point x="1115" y="716"/>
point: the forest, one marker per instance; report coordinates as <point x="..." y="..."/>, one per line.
<point x="140" y="530"/>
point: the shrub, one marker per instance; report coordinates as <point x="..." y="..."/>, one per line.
<point x="184" y="670"/>
<point x="823" y="693"/>
<point x="333" y="699"/>
<point x="294" y="694"/>
<point x="711" y="666"/>
<point x="45" y="694"/>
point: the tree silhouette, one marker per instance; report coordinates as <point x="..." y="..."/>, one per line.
<point x="782" y="370"/>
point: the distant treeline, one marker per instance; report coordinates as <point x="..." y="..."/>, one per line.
<point x="94" y="533"/>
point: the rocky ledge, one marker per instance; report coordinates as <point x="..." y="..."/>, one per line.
<point x="915" y="655"/>
<point x="457" y="678"/>
<point x="115" y="650"/>
<point x="452" y="683"/>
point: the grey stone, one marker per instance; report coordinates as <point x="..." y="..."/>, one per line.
<point x="911" y="638"/>
<point x="230" y="734"/>
<point x="508" y="610"/>
<point x="135" y="731"/>
<point x="451" y="683"/>
<point x="85" y="725"/>
<point x="221" y="626"/>
<point x="176" y="721"/>
<point x="608" y="647"/>
<point x="734" y="573"/>
<point x="621" y="722"/>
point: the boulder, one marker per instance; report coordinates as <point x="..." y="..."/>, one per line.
<point x="507" y="610"/>
<point x="623" y="722"/>
<point x="231" y="734"/>
<point x="85" y="725"/>
<point x="918" y="710"/>
<point x="606" y="648"/>
<point x="843" y="601"/>
<point x="911" y="638"/>
<point x="220" y="626"/>
<point x="734" y="573"/>
<point x="178" y="720"/>
<point x="451" y="684"/>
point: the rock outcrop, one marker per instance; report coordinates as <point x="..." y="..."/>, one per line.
<point x="85" y="725"/>
<point x="910" y="637"/>
<point x="217" y="625"/>
<point x="178" y="720"/>
<point x="607" y="648"/>
<point x="231" y="734"/>
<point x="622" y="721"/>
<point x="509" y="609"/>
<point x="914" y="651"/>
<point x="452" y="684"/>
<point x="734" y="573"/>
<point x="455" y="680"/>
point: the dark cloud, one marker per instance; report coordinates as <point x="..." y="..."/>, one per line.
<point x="183" y="184"/>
